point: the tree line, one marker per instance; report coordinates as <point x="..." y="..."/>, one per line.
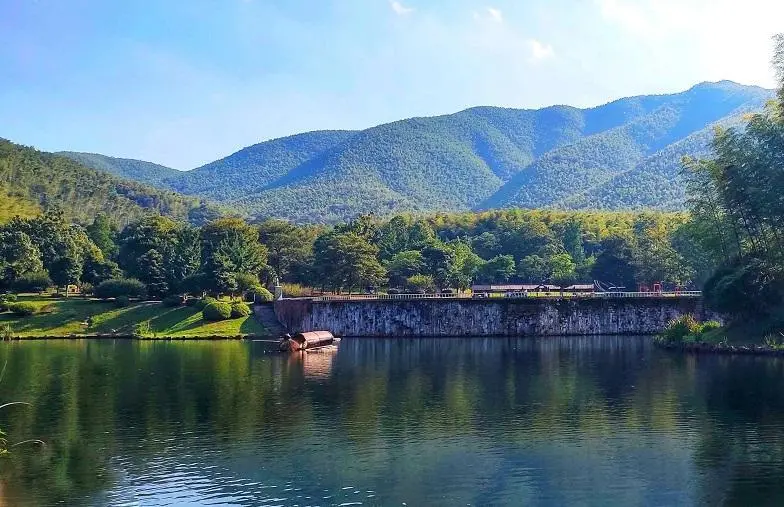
<point x="164" y="257"/>
<point x="737" y="226"/>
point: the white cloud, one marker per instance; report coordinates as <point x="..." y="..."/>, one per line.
<point x="540" y="51"/>
<point x="400" y="9"/>
<point x="495" y="14"/>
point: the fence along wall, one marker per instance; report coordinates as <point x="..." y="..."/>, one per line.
<point x="488" y="317"/>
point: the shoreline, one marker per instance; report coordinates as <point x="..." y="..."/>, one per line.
<point x="142" y="338"/>
<point x="722" y="349"/>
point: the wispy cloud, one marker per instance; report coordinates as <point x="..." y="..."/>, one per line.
<point x="400" y="9"/>
<point x="540" y="51"/>
<point x="495" y="14"/>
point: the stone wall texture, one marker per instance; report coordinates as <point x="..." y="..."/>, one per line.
<point x="478" y="317"/>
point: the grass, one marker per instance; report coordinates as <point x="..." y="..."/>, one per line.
<point x="67" y="317"/>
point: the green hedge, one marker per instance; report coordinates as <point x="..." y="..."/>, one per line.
<point x="116" y="287"/>
<point x="239" y="309"/>
<point x="217" y="310"/>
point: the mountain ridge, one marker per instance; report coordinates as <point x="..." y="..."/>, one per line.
<point x="480" y="157"/>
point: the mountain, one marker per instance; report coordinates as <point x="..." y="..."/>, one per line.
<point x="31" y="180"/>
<point x="625" y="154"/>
<point x="137" y="170"/>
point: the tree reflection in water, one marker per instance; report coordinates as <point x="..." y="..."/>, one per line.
<point x="559" y="420"/>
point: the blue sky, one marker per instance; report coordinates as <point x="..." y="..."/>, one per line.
<point x="184" y="82"/>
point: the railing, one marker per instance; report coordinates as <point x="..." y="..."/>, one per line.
<point x="529" y="295"/>
<point x="380" y="297"/>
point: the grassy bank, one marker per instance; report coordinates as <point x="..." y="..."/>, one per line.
<point x="761" y="336"/>
<point x="69" y="317"/>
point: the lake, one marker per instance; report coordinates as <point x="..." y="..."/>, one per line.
<point x="555" y="421"/>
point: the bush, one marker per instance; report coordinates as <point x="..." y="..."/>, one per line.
<point x="202" y="303"/>
<point x="295" y="290"/>
<point x="239" y="309"/>
<point x="684" y="328"/>
<point x="262" y="295"/>
<point x="189" y="301"/>
<point x="420" y="284"/>
<point x="33" y="282"/>
<point x="22" y="309"/>
<point x="709" y="326"/>
<point x="116" y="287"/>
<point x="6" y="300"/>
<point x="121" y="301"/>
<point x="87" y="288"/>
<point x="217" y="310"/>
<point x="173" y="301"/>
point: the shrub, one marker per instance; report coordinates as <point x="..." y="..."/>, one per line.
<point x="33" y="282"/>
<point x="217" y="310"/>
<point x="262" y="295"/>
<point x="22" y="309"/>
<point x="116" y="287"/>
<point x="121" y="301"/>
<point x="239" y="309"/>
<point x="189" y="301"/>
<point x="711" y="325"/>
<point x="173" y="301"/>
<point x="203" y="302"/>
<point x="295" y="290"/>
<point x="6" y="300"/>
<point x="420" y="283"/>
<point x="87" y="288"/>
<point x="684" y="328"/>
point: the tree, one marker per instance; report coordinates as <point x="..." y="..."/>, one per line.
<point x="532" y="268"/>
<point x="499" y="269"/>
<point x="66" y="271"/>
<point x="18" y="256"/>
<point x="440" y="263"/>
<point x="614" y="265"/>
<point x="403" y="265"/>
<point x="346" y="260"/>
<point x="420" y="284"/>
<point x="103" y="232"/>
<point x="152" y="270"/>
<point x="289" y="246"/>
<point x="563" y="270"/>
<point x="230" y="247"/>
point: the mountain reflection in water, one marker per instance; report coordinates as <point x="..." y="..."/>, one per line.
<point x="557" y="421"/>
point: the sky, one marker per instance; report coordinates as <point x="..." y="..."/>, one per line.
<point x="185" y="82"/>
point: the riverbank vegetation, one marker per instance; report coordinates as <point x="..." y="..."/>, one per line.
<point x="737" y="222"/>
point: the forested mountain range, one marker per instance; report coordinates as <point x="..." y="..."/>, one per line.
<point x="32" y="181"/>
<point x="621" y="155"/>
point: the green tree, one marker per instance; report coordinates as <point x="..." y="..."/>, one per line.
<point x="18" y="256"/>
<point x="499" y="269"/>
<point x="346" y="261"/>
<point x="533" y="268"/>
<point x="103" y="232"/>
<point x="289" y="246"/>
<point x="563" y="270"/>
<point x="403" y="265"/>
<point x="230" y="247"/>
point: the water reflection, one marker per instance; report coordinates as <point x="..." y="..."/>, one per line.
<point x="587" y="421"/>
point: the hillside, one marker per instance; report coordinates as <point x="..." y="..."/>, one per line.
<point x="625" y="154"/>
<point x="31" y="180"/>
<point x="137" y="170"/>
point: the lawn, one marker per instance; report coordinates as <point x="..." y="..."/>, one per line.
<point x="66" y="317"/>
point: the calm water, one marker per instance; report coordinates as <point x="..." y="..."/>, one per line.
<point x="587" y="421"/>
